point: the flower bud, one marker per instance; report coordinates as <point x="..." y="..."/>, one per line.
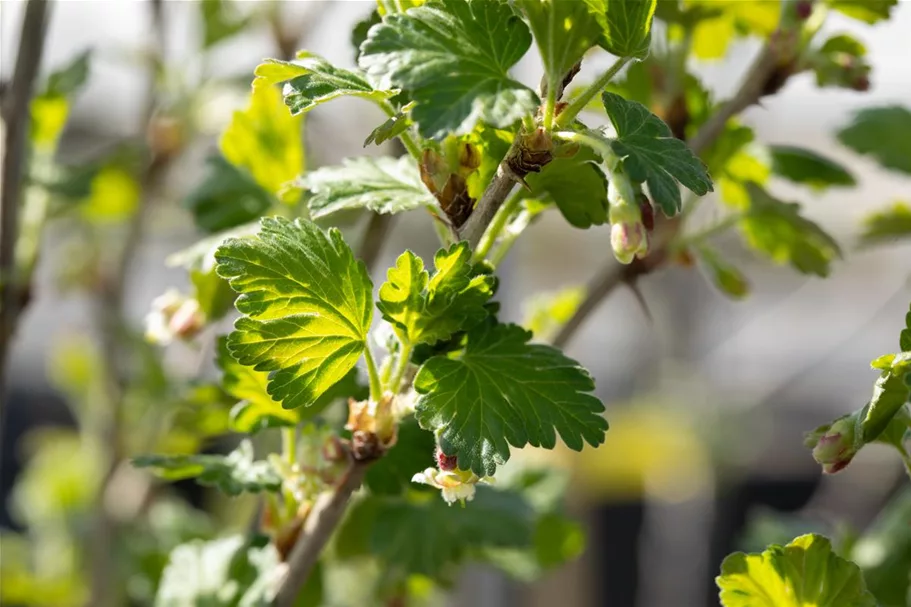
<point x="835" y="445"/>
<point x="173" y="315"/>
<point x="628" y="235"/>
<point x="803" y="9"/>
<point x="446" y="462"/>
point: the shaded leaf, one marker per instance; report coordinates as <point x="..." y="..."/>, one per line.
<point x="883" y="133"/>
<point x="887" y="225"/>
<point x="382" y="185"/>
<point x="453" y="59"/>
<point x="232" y="474"/>
<point x="805" y="573"/>
<point x="504" y="391"/>
<point x="576" y="185"/>
<point x="412" y="453"/>
<point x="651" y="154"/>
<point x="809" y="168"/>
<point x="227" y="197"/>
<point x="307" y="304"/>
<point x="868" y="11"/>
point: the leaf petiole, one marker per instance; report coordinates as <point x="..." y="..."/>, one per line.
<point x="496" y="226"/>
<point x="405" y="137"/>
<point x="376" y="389"/>
<point x="572" y="110"/>
<point x="401" y="366"/>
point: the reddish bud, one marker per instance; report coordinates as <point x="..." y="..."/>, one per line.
<point x="861" y="83"/>
<point x="648" y="213"/>
<point x="804" y="8"/>
<point x="446" y="462"/>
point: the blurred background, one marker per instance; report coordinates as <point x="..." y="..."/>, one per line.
<point x="707" y="400"/>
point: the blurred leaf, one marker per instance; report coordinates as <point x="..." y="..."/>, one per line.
<point x="625" y="26"/>
<point x="232" y="474"/>
<point x="545" y="314"/>
<point x="213" y="293"/>
<point x="113" y="196"/>
<point x="425" y="309"/>
<point x="884" y="552"/>
<point x="883" y="133"/>
<point x="805" y="573"/>
<point x="220" y="21"/>
<point x="307" y="305"/>
<point x="412" y="453"/>
<point x="311" y="80"/>
<point x="71" y="78"/>
<point x="651" y="154"/>
<point x="57" y="584"/>
<point x="227" y="572"/>
<point x="728" y="279"/>
<point x="226" y="198"/>
<point x="844" y="43"/>
<point x="384" y="7"/>
<point x="887" y="225"/>
<point x="519" y="394"/>
<point x="382" y="185"/>
<point x="778" y="229"/>
<point x="359" y="33"/>
<point x="265" y="140"/>
<point x="49" y="115"/>
<point x="557" y="540"/>
<point x="453" y="59"/>
<point x="576" y="185"/>
<point x="809" y="168"/>
<point x="868" y="11"/>
<point x="721" y="21"/>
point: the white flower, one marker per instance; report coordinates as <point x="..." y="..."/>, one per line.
<point x="173" y="315"/>
<point x="456" y="485"/>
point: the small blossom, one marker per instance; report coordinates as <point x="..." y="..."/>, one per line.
<point x="173" y="315"/>
<point x="628" y="235"/>
<point x="456" y="485"/>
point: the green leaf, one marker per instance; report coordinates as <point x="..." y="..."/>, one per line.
<point x="392" y="128"/>
<point x="225" y="572"/>
<point x="547" y="313"/>
<point x="884" y="552"/>
<point x="778" y="229"/>
<point x="809" y="168"/>
<point x="651" y="154"/>
<point x="564" y="30"/>
<point x="904" y="340"/>
<point x="888" y="225"/>
<point x="626" y="25"/>
<point x="576" y="185"/>
<point x="425" y="309"/>
<point x="868" y="11"/>
<point x="382" y="185"/>
<point x="843" y="43"/>
<point x="728" y="279"/>
<point x="226" y="197"/>
<point x="265" y="140"/>
<point x="504" y="391"/>
<point x="307" y="304"/>
<point x="805" y="573"/>
<point x="220" y="21"/>
<point x="412" y="453"/>
<point x="359" y="33"/>
<point x="70" y="78"/>
<point x="311" y="80"/>
<point x="890" y="393"/>
<point x="453" y="59"/>
<point x="232" y="474"/>
<point x="883" y="133"/>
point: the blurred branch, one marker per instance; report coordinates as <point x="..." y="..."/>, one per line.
<point x="111" y="322"/>
<point x="17" y="96"/>
<point x="318" y="528"/>
<point x="756" y="83"/>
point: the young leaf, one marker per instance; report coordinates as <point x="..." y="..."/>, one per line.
<point x="307" y="304"/>
<point x="232" y="474"/>
<point x="226" y="197"/>
<point x="424" y="309"/>
<point x="651" y="154"/>
<point x="311" y="80"/>
<point x="504" y="391"/>
<point x="887" y="225"/>
<point x="809" y="168"/>
<point x="805" y="573"/>
<point x="890" y="393"/>
<point x="626" y="26"/>
<point x="393" y="127"/>
<point x="265" y="140"/>
<point x="453" y="59"/>
<point x="728" y="279"/>
<point x="564" y="30"/>
<point x="383" y="185"/>
<point x="868" y="11"/>
<point x="576" y="185"/>
<point x="883" y="133"/>
<point x="778" y="229"/>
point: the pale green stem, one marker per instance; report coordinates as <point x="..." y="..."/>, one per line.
<point x="509" y="238"/>
<point x="401" y="367"/>
<point x="572" y="110"/>
<point x="496" y="226"/>
<point x="289" y="444"/>
<point x="710" y="232"/>
<point x="405" y="137"/>
<point x="528" y="121"/>
<point x="376" y="389"/>
<point x="550" y="104"/>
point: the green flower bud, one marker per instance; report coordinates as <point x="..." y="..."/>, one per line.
<point x="835" y="445"/>
<point x="628" y="235"/>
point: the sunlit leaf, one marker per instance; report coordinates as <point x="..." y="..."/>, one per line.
<point x="887" y="225"/>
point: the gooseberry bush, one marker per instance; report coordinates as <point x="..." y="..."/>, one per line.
<point x="399" y="399"/>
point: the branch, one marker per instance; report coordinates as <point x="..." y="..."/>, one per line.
<point x="753" y="87"/>
<point x="488" y="206"/>
<point x="16" y="116"/>
<point x="318" y="528"/>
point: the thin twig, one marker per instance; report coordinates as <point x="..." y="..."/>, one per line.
<point x="318" y="528"/>
<point x="609" y="277"/>
<point x="490" y="202"/>
<point x="16" y="114"/>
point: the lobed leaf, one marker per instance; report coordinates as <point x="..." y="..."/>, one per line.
<point x="453" y="59"/>
<point x="382" y="185"/>
<point x="503" y="391"/>
<point x="307" y="304"/>
<point x="652" y="155"/>
<point x="625" y="25"/>
<point x="576" y="185"/>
